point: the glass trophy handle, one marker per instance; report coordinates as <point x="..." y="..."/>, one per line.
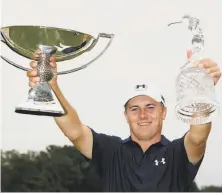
<point x="100" y="35"/>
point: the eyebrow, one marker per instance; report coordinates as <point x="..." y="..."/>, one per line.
<point x="147" y="105"/>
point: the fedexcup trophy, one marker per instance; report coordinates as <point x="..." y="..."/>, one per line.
<point x="196" y="97"/>
<point x="64" y="44"/>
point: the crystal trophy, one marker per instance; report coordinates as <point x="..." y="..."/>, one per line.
<point x="63" y="44"/>
<point x="195" y="91"/>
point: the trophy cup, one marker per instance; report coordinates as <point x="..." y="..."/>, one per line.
<point x="195" y="91"/>
<point x="64" y="44"/>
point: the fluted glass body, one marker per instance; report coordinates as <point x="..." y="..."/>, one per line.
<point x="195" y="90"/>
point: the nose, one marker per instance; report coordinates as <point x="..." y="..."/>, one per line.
<point x="143" y="114"/>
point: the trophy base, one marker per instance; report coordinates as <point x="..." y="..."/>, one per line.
<point x="41" y="101"/>
<point x="196" y="112"/>
<point x="38" y="110"/>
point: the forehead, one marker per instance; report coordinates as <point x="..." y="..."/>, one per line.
<point x="140" y="100"/>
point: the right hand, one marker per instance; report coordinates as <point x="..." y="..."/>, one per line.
<point x="32" y="74"/>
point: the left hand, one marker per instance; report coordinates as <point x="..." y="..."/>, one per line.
<point x="209" y="65"/>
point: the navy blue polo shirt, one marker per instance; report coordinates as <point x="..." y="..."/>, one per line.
<point x="123" y="166"/>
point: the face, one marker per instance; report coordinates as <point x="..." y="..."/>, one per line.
<point x="145" y="117"/>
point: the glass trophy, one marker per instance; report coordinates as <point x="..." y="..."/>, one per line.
<point x="195" y="91"/>
<point x="64" y="44"/>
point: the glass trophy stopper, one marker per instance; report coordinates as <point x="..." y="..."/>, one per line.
<point x="195" y="91"/>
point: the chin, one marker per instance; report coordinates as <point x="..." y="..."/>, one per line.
<point x="143" y="136"/>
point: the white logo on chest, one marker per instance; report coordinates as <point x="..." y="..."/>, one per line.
<point x="157" y="162"/>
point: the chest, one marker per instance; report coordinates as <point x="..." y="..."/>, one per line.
<point x="133" y="170"/>
<point x="146" y="166"/>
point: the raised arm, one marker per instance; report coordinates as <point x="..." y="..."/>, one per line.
<point x="196" y="139"/>
<point x="70" y="124"/>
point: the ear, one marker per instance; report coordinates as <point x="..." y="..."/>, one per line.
<point x="164" y="113"/>
<point x="126" y="116"/>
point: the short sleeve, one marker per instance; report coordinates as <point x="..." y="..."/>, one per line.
<point x="185" y="167"/>
<point x="104" y="148"/>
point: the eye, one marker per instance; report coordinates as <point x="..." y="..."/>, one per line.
<point x="150" y="108"/>
<point x="134" y="109"/>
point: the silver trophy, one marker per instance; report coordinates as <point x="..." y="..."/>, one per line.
<point x="64" y="44"/>
<point x="195" y="91"/>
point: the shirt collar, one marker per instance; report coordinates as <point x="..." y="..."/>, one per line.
<point x="163" y="141"/>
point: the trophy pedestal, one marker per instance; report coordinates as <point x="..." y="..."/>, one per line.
<point x="41" y="101"/>
<point x="39" y="109"/>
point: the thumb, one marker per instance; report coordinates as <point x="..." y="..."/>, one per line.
<point x="189" y="54"/>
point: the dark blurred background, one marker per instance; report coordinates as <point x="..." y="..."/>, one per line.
<point x="57" y="169"/>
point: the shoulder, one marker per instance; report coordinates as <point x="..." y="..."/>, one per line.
<point x="105" y="139"/>
<point x="176" y="148"/>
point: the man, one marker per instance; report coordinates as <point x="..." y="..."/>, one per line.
<point x="146" y="161"/>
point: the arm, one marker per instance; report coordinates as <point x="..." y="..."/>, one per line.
<point x="70" y="124"/>
<point x="72" y="127"/>
<point x="196" y="139"/>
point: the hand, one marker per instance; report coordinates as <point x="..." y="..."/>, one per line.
<point x="85" y="37"/>
<point x="209" y="65"/>
<point x="32" y="74"/>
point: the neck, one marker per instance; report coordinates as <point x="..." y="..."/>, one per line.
<point x="146" y="143"/>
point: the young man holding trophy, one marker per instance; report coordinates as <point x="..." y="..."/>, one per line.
<point x="146" y="161"/>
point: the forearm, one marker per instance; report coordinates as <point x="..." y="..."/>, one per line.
<point x="195" y="141"/>
<point x="198" y="134"/>
<point x="69" y="123"/>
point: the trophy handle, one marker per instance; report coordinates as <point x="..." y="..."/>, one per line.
<point x="9" y="61"/>
<point x="100" y="35"/>
<point x="14" y="64"/>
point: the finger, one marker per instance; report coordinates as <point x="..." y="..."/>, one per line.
<point x="31" y="73"/>
<point x="34" y="79"/>
<point x="212" y="70"/>
<point x="32" y="84"/>
<point x="189" y="54"/>
<point x="53" y="64"/>
<point x="38" y="52"/>
<point x="36" y="57"/>
<point x="206" y="63"/>
<point x="85" y="37"/>
<point x="216" y="75"/>
<point x="33" y="64"/>
<point x="52" y="59"/>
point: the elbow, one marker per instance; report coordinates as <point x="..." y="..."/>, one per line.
<point x="197" y="139"/>
<point x="198" y="142"/>
<point x="74" y="132"/>
<point x="198" y="134"/>
<point x="73" y="135"/>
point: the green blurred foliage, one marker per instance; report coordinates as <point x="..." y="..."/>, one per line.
<point x="58" y="169"/>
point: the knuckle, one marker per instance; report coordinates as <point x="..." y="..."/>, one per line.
<point x="30" y="84"/>
<point x="28" y="73"/>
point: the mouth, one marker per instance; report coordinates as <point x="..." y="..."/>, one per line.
<point x="144" y="123"/>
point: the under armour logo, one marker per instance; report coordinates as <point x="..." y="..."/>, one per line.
<point x="162" y="161"/>
<point x="141" y="87"/>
